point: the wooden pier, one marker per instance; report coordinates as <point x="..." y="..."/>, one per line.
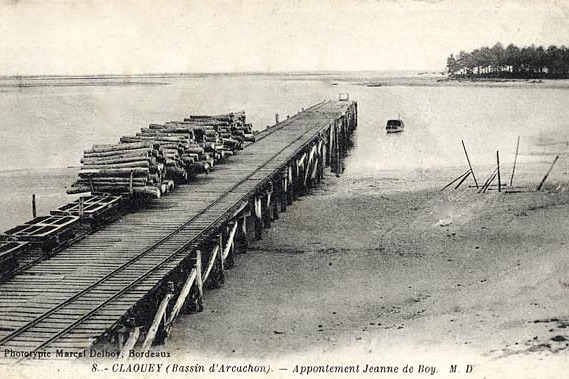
<point x="122" y="287"/>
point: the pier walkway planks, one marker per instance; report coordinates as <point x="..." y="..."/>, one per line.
<point x="71" y="299"/>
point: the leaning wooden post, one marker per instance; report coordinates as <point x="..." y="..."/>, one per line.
<point x="465" y="174"/>
<point x="469" y="165"/>
<point x="463" y="179"/>
<point x="160" y="313"/>
<point x="498" y="168"/>
<point x="515" y="160"/>
<point x="181" y="300"/>
<point x="228" y="253"/>
<point x="130" y="342"/>
<point x="548" y="172"/>
<point x="34" y="211"/>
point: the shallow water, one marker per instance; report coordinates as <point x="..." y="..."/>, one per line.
<point x="49" y="126"/>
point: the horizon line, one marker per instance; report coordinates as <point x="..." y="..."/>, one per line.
<point x="221" y="73"/>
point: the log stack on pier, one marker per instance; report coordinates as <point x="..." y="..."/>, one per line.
<point x="122" y="289"/>
<point x="154" y="160"/>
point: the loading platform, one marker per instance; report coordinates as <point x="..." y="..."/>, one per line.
<point x="123" y="286"/>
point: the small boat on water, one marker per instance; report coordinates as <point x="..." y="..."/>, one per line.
<point x="395" y="126"/>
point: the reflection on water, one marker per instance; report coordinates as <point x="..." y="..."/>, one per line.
<point x="45" y="126"/>
<point x="438" y="118"/>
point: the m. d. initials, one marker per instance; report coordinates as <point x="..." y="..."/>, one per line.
<point x="454" y="369"/>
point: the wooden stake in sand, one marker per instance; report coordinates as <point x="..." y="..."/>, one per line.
<point x="462" y="176"/>
<point x="515" y="160"/>
<point x="498" y="168"/>
<point x="34" y="213"/>
<point x="463" y="179"/>
<point x="488" y="181"/>
<point x="469" y="165"/>
<point x="546" y="175"/>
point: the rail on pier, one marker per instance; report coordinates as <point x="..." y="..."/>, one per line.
<point x="123" y="286"/>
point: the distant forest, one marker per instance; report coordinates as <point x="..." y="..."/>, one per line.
<point x="528" y="62"/>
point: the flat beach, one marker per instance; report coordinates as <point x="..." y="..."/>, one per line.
<point x="379" y="266"/>
<point x="351" y="274"/>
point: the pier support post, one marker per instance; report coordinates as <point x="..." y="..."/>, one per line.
<point x="229" y="251"/>
<point x="321" y="160"/>
<point x="250" y="221"/>
<point x="159" y="318"/>
<point x="193" y="302"/>
<point x="130" y="342"/>
<point x="276" y="196"/>
<point x="283" y="192"/>
<point x="241" y="242"/>
<point x="290" y="185"/>
<point x="214" y="275"/>
<point x="258" y="218"/>
<point x="266" y="210"/>
<point x="181" y="299"/>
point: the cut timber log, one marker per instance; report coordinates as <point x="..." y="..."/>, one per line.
<point x="249" y="137"/>
<point x="113" y="172"/>
<point x="145" y="190"/>
<point x="118" y="147"/>
<point x="112" y="180"/>
<point x="134" y="164"/>
<point x="117" y="160"/>
<point x="153" y="139"/>
<point x="143" y="152"/>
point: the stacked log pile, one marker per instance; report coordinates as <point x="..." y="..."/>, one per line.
<point x="153" y="160"/>
<point x="124" y="168"/>
<point x="231" y="128"/>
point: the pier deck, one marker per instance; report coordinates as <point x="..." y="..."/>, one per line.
<point x="91" y="289"/>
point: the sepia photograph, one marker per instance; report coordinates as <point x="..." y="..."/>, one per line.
<point x="284" y="189"/>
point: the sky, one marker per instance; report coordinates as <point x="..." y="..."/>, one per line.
<point x="71" y="37"/>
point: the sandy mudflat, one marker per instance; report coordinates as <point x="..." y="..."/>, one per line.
<point x="354" y="274"/>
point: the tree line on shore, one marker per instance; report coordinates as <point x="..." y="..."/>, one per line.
<point x="528" y="62"/>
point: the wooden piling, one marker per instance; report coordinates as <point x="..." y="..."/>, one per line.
<point x="158" y="317"/>
<point x="283" y="193"/>
<point x="290" y="186"/>
<point x="463" y="179"/>
<point x="266" y="206"/>
<point x="182" y="296"/>
<point x="34" y="211"/>
<point x="463" y="175"/>
<point x="498" y="168"/>
<point x="258" y="219"/>
<point x="173" y="256"/>
<point x="539" y="187"/>
<point x="515" y="160"/>
<point x="130" y="342"/>
<point x="469" y="165"/>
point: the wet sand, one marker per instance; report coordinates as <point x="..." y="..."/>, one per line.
<point x="352" y="273"/>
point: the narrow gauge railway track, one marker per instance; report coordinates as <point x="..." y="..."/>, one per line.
<point x="71" y="308"/>
<point x="37" y="255"/>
